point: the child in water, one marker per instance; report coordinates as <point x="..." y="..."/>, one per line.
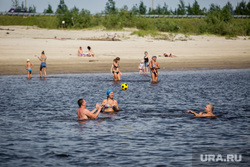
<point x="28" y="67"/>
<point x="140" y="67"/>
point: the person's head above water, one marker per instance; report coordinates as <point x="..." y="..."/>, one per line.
<point x="110" y="94"/>
<point x="81" y="102"/>
<point x="209" y="108"/>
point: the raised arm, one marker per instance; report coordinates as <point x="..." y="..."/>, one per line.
<point x="92" y="115"/>
<point x="192" y="112"/>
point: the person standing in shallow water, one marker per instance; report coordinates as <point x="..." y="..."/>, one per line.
<point x="28" y="67"/>
<point x="115" y="71"/>
<point x="208" y="112"/>
<point x="110" y="105"/>
<point x="154" y="66"/>
<point x="43" y="65"/>
<point x="146" y="63"/>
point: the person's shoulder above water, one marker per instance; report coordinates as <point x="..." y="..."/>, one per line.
<point x="207" y="113"/>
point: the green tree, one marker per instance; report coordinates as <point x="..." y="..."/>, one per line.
<point x="110" y="7"/>
<point x="62" y="7"/>
<point x="189" y="10"/>
<point x="48" y="10"/>
<point x="226" y="14"/>
<point x="32" y="9"/>
<point x="214" y="7"/>
<point x="242" y="8"/>
<point x="135" y="10"/>
<point x="165" y="9"/>
<point x="181" y="8"/>
<point x="196" y="8"/>
<point x="230" y="7"/>
<point x="15" y="4"/>
<point x="142" y="8"/>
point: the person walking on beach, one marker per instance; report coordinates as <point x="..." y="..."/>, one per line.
<point x="43" y="65"/>
<point x="110" y="105"/>
<point x="141" y="67"/>
<point x="115" y="71"/>
<point x="208" y="112"/>
<point x="146" y="62"/>
<point x="28" y="67"/>
<point x="84" y="114"/>
<point x="154" y="66"/>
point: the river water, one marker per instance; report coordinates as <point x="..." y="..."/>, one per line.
<point x="39" y="127"/>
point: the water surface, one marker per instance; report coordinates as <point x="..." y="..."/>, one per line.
<point x="39" y="127"/>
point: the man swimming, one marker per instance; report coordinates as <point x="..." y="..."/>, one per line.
<point x="208" y="112"/>
<point x="84" y="114"/>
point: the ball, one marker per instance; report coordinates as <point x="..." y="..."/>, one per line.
<point x="124" y="86"/>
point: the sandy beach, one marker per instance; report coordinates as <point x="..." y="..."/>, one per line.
<point x="17" y="43"/>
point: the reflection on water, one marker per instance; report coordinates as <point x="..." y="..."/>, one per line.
<point x="39" y="127"/>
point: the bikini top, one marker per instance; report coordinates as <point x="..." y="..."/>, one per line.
<point x="108" y="106"/>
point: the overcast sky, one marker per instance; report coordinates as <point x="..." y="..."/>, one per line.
<point x="96" y="6"/>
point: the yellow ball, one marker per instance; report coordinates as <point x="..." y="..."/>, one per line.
<point x="124" y="86"/>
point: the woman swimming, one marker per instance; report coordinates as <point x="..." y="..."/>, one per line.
<point x="110" y="105"/>
<point x="43" y="65"/>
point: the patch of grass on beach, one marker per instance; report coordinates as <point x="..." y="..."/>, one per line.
<point x="143" y="33"/>
<point x="40" y="21"/>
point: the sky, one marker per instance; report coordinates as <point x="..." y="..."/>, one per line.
<point x="97" y="6"/>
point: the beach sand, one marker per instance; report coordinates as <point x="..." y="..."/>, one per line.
<point x="193" y="52"/>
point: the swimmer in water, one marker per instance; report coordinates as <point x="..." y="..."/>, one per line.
<point x="84" y="114"/>
<point x="154" y="66"/>
<point x="208" y="112"/>
<point x="110" y="105"/>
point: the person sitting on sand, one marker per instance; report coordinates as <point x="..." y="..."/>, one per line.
<point x="154" y="66"/>
<point x="115" y="71"/>
<point x="80" y="51"/>
<point x="110" y="105"/>
<point x="43" y="65"/>
<point x="208" y="112"/>
<point x="90" y="52"/>
<point x="141" y="67"/>
<point x="28" y="67"/>
<point x="168" y="55"/>
<point x="84" y="114"/>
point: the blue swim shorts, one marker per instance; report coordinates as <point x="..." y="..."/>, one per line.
<point x="43" y="64"/>
<point x="29" y="69"/>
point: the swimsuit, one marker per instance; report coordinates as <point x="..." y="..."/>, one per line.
<point x="29" y="69"/>
<point x="43" y="64"/>
<point x="146" y="61"/>
<point x="141" y="66"/>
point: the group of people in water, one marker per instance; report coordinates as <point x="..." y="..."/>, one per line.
<point x="88" y="53"/>
<point x="43" y="66"/>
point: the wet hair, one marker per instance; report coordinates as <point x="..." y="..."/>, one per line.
<point x="43" y="52"/>
<point x="89" y="47"/>
<point x="80" y="101"/>
<point x="211" y="107"/>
